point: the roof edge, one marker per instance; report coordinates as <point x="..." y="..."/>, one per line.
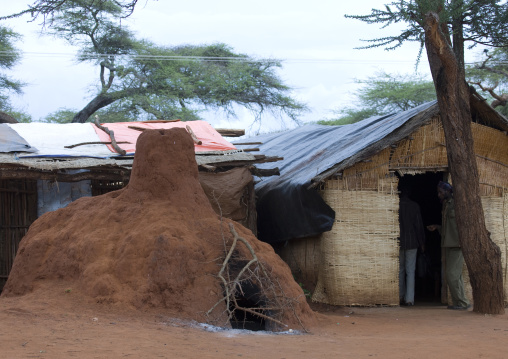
<point x="403" y="131"/>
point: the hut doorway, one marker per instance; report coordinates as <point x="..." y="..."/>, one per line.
<point x="18" y="198"/>
<point x="428" y="265"/>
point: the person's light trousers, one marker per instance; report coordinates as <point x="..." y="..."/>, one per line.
<point x="407" y="266"/>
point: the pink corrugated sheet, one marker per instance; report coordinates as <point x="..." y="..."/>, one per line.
<point x="212" y="140"/>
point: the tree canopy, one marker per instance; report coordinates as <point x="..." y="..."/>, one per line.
<point x="491" y="77"/>
<point x="9" y="56"/>
<point x="480" y="22"/>
<point x="142" y="80"/>
<point x="46" y="9"/>
<point x="385" y="93"/>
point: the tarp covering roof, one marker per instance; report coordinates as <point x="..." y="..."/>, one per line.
<point x="287" y="207"/>
<point x="124" y="132"/>
<point x="312" y="149"/>
<point x="41" y="150"/>
<point x="52" y="139"/>
<point x="11" y="141"/>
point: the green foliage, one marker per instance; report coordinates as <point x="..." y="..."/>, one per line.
<point x="349" y="115"/>
<point x="185" y="80"/>
<point x="306" y="292"/>
<point x="142" y="80"/>
<point x="62" y="115"/>
<point x="478" y="22"/>
<point x="490" y="77"/>
<point x="94" y="26"/>
<point x="47" y="9"/>
<point x="9" y="56"/>
<point x="392" y="93"/>
<point x="384" y="93"/>
<point x="19" y="116"/>
<point x="481" y="21"/>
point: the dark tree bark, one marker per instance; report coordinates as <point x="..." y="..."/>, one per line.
<point x="482" y="256"/>
<point x="97" y="103"/>
<point x="100" y="101"/>
<point x="6" y="118"/>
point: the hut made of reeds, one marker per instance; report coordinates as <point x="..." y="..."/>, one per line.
<point x="44" y="167"/>
<point x="332" y="214"/>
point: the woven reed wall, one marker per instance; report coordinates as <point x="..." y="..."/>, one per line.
<point x="496" y="220"/>
<point x="505" y="226"/>
<point x="424" y="148"/>
<point x="491" y="148"/>
<point x="364" y="175"/>
<point x="303" y="257"/>
<point x="360" y="254"/>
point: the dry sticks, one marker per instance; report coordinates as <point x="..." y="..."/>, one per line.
<point x="232" y="286"/>
<point x="111" y="135"/>
<point x="274" y="302"/>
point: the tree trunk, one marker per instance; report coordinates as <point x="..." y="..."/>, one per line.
<point x="482" y="256"/>
<point x="100" y="101"/>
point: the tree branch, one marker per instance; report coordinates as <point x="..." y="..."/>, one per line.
<point x="111" y="135"/>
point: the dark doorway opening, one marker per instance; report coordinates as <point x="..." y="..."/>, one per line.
<point x="248" y="297"/>
<point x="248" y="294"/>
<point x="428" y="264"/>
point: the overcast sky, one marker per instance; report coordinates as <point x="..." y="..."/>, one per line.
<point x="313" y="38"/>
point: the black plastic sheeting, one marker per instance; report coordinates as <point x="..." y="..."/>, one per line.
<point x="286" y="207"/>
<point x="11" y="141"/>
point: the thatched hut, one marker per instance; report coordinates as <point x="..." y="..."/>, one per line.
<point x="333" y="212"/>
<point x="44" y="167"/>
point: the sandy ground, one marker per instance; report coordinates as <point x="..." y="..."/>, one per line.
<point x="56" y="327"/>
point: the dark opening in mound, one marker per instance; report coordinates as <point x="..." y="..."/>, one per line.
<point x="248" y="297"/>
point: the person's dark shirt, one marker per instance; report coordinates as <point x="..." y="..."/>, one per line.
<point x="412" y="234"/>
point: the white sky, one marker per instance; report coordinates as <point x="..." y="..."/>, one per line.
<point x="288" y="30"/>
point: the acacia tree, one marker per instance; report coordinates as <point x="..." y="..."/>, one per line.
<point x="442" y="27"/>
<point x="9" y="57"/>
<point x="181" y="81"/>
<point x="491" y="77"/>
<point x="46" y="9"/>
<point x="385" y="93"/>
<point x="165" y="82"/>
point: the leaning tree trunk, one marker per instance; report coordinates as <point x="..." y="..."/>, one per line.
<point x="100" y="101"/>
<point x="482" y="256"/>
<point x="97" y="103"/>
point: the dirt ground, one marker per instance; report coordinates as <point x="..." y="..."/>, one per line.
<point x="62" y="326"/>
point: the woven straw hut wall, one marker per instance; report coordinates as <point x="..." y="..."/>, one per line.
<point x="303" y="256"/>
<point x="358" y="264"/>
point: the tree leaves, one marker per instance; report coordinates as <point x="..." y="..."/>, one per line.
<point x="384" y="93"/>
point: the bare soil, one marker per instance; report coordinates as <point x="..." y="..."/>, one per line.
<point x="60" y="326"/>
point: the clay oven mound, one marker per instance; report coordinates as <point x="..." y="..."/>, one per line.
<point x="158" y="245"/>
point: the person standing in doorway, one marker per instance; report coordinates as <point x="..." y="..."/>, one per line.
<point x="412" y="237"/>
<point x="454" y="260"/>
